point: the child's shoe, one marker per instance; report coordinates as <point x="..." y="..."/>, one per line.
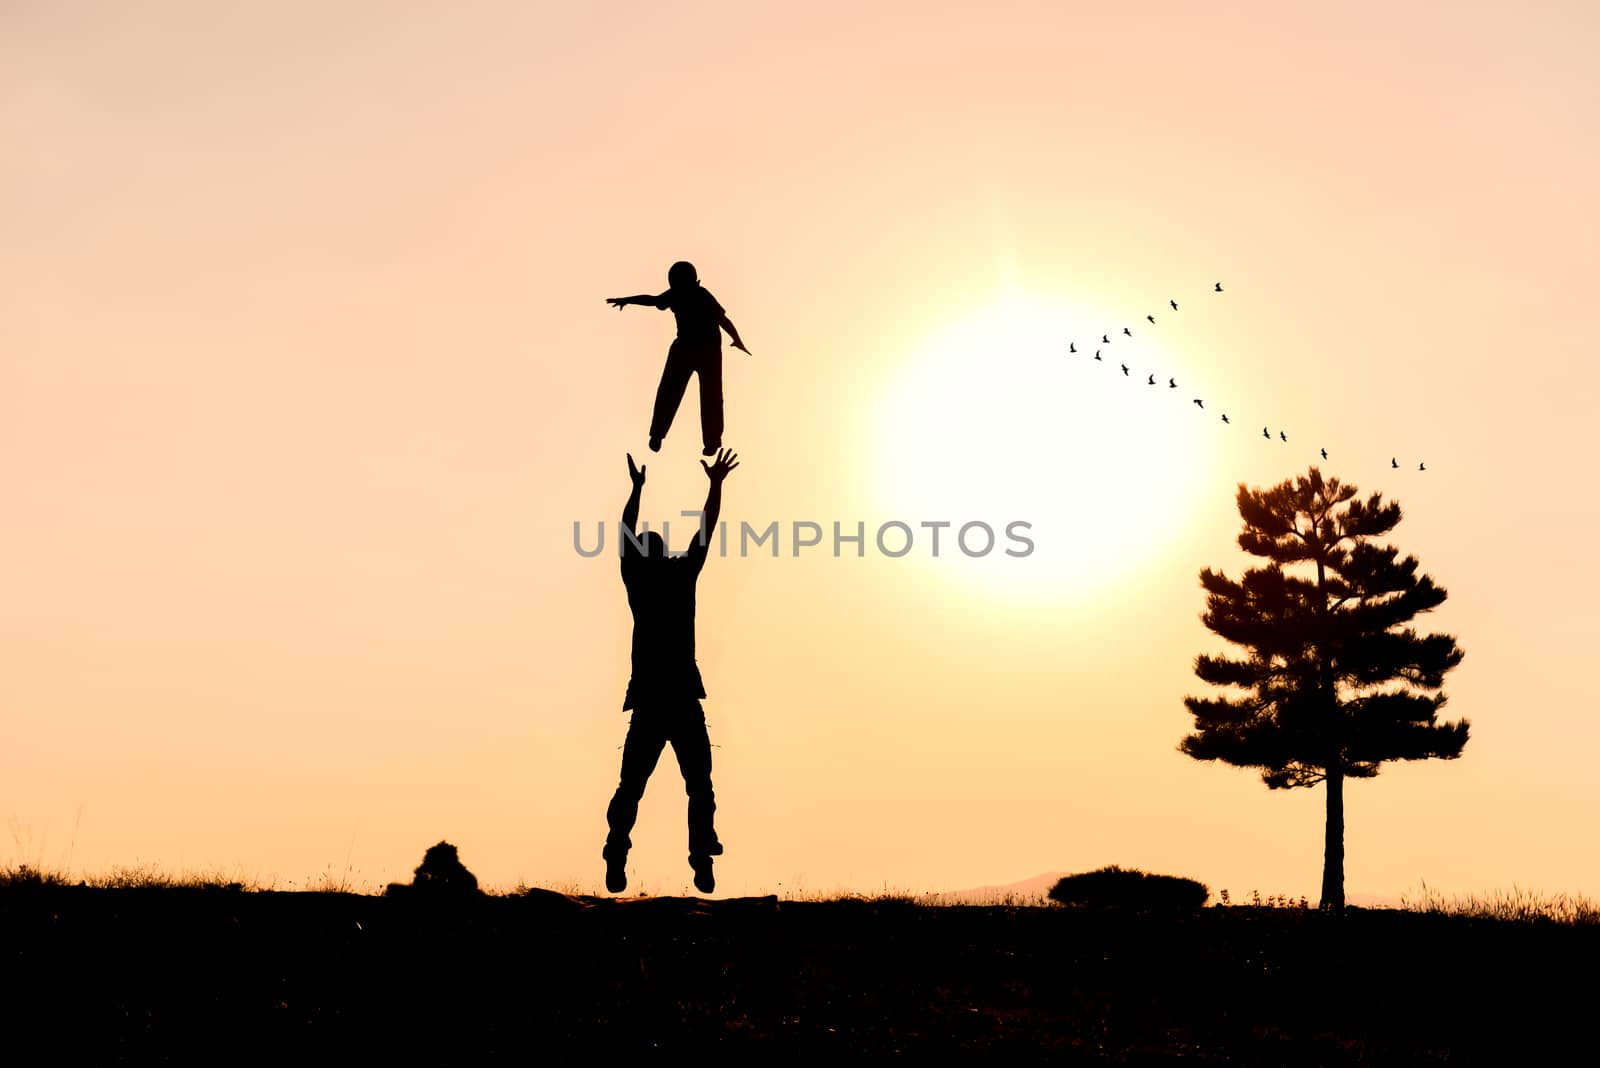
<point x="704" y="881"/>
<point x="616" y="875"/>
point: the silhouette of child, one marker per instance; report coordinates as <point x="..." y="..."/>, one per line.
<point x="696" y="350"/>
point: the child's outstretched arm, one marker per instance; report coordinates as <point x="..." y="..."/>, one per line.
<point x="643" y="298"/>
<point x="733" y="332"/>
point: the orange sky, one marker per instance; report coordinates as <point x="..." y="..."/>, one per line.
<point x="306" y="374"/>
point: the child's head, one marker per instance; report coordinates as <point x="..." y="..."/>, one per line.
<point x="681" y="275"/>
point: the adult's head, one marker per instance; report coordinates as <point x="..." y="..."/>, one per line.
<point x="655" y="547"/>
<point x="682" y="274"/>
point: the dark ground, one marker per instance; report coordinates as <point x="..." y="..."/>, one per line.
<point x="215" y="975"/>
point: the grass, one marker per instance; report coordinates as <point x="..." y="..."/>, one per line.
<point x="25" y="875"/>
<point x="1516" y="905"/>
<point x="152" y="877"/>
<point x="1009" y="899"/>
<point x="886" y="895"/>
<point x="1255" y="900"/>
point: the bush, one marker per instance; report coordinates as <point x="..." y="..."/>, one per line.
<point x="1114" y="886"/>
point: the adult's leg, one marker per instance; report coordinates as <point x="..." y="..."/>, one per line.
<point x="640" y="752"/>
<point x="710" y="371"/>
<point x="674" y="380"/>
<point x="692" y="746"/>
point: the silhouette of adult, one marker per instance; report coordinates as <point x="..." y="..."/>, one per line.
<point x="697" y="350"/>
<point x="665" y="689"/>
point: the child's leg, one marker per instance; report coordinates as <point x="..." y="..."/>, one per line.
<point x="674" y="380"/>
<point x="710" y="371"/>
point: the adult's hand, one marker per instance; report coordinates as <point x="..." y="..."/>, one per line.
<point x="716" y="472"/>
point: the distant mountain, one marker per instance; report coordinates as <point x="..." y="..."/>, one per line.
<point x="1030" y="891"/>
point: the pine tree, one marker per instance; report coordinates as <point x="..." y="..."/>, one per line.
<point x="1333" y="681"/>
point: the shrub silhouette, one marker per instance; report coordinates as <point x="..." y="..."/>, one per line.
<point x="441" y="874"/>
<point x="1129" y="888"/>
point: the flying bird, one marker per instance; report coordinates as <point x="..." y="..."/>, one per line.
<point x="1265" y="434"/>
<point x="1104" y="340"/>
<point x="1282" y="435"/>
<point x="1097" y="354"/>
<point x="1422" y="467"/>
<point x="1225" y="418"/>
<point x="1072" y="346"/>
<point x="1125" y="330"/>
<point x="1197" y="404"/>
<point x="1324" y="454"/>
<point x="1174" y="304"/>
<point x="1393" y="464"/>
<point x="1152" y="380"/>
<point x="1173" y="382"/>
<point x="1152" y="318"/>
<point x="1219" y="288"/>
<point x="1124" y="370"/>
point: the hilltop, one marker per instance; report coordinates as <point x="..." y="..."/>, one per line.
<point x="201" y="974"/>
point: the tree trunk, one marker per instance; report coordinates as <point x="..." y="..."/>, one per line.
<point x="1333" y="845"/>
<point x="1333" y="780"/>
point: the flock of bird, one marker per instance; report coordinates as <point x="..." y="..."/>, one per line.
<point x="1172" y="383"/>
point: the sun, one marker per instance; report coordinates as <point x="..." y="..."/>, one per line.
<point x="991" y="420"/>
